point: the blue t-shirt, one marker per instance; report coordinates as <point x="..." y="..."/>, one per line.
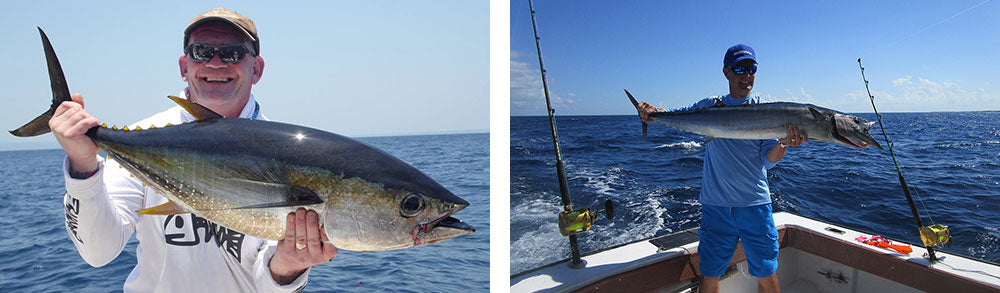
<point x="735" y="170"/>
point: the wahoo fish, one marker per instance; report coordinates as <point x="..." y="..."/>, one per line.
<point x="769" y="121"/>
<point x="247" y="175"/>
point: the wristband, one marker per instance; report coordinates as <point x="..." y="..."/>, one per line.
<point x="83" y="175"/>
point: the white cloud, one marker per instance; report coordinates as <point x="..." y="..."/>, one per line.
<point x="943" y="95"/>
<point x="905" y="81"/>
<point x="921" y="94"/>
<point x="526" y="94"/>
<point x="859" y="101"/>
<point x="516" y="54"/>
<point x="800" y="96"/>
<point x="805" y="95"/>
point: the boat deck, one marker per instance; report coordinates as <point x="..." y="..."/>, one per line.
<point x="815" y="257"/>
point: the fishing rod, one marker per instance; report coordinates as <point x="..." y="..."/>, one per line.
<point x="571" y="222"/>
<point x="931" y="235"/>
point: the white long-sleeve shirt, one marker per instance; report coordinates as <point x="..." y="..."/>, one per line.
<point x="176" y="253"/>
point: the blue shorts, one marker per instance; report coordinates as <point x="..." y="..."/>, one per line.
<point x="722" y="227"/>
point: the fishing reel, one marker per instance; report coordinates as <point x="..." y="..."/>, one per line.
<point x="572" y="222"/>
<point x="935" y="235"/>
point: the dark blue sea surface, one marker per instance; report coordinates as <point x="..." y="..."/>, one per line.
<point x="36" y="254"/>
<point x="950" y="159"/>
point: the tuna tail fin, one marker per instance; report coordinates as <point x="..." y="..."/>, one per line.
<point x="60" y="93"/>
<point x="636" y="104"/>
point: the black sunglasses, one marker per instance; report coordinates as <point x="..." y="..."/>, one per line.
<point x="228" y="53"/>
<point x="743" y="69"/>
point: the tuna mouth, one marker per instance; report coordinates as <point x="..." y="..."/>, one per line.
<point x="443" y="228"/>
<point x="447" y="221"/>
<point x="454" y="223"/>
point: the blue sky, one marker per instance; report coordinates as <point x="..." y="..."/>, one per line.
<point x="918" y="55"/>
<point x="356" y="68"/>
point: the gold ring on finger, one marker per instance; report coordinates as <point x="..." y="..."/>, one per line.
<point x="300" y="246"/>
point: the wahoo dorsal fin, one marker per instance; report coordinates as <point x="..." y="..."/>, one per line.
<point x="168" y="208"/>
<point x="198" y="111"/>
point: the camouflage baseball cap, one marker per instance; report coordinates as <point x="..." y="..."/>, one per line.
<point x="243" y="23"/>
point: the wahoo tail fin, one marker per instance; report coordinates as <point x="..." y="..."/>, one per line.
<point x="60" y="93"/>
<point x="636" y="104"/>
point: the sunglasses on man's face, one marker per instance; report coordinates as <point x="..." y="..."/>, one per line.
<point x="228" y="53"/>
<point x="744" y="69"/>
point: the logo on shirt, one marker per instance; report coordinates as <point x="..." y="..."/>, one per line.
<point x="72" y="213"/>
<point x="230" y="240"/>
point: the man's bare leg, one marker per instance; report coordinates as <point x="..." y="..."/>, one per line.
<point x="766" y="284"/>
<point x="709" y="285"/>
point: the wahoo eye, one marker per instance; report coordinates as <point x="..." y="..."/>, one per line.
<point x="411" y="205"/>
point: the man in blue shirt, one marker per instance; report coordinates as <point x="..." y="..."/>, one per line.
<point x="736" y="202"/>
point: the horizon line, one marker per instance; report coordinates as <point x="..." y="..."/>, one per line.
<point x="896" y="112"/>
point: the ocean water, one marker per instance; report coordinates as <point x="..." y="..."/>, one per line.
<point x="951" y="159"/>
<point x="36" y="254"/>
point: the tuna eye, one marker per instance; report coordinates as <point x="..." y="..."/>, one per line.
<point x="411" y="205"/>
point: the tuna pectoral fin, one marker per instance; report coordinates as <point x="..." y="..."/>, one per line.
<point x="198" y="111"/>
<point x="274" y="194"/>
<point x="636" y="104"/>
<point x="296" y="195"/>
<point x="166" y="209"/>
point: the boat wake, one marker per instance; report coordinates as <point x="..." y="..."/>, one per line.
<point x="688" y="145"/>
<point x="639" y="215"/>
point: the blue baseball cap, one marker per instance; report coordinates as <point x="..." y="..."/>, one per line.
<point x="738" y="53"/>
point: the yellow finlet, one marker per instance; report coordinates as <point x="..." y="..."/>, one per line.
<point x="165" y="209"/>
<point x="114" y="127"/>
<point x="152" y="126"/>
<point x="104" y="125"/>
<point x="137" y="128"/>
<point x="125" y="128"/>
<point x="170" y="124"/>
